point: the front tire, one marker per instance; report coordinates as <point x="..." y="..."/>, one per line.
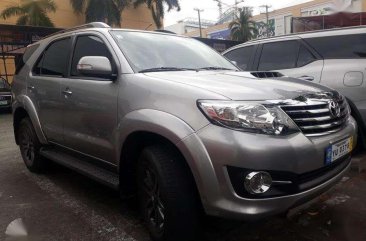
<point x="30" y="146"/>
<point x="167" y="195"/>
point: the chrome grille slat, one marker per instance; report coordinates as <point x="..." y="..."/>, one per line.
<point x="315" y="118"/>
<point x="316" y="111"/>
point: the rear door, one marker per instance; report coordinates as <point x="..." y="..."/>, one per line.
<point x="90" y="104"/>
<point x="291" y="58"/>
<point x="44" y="87"/>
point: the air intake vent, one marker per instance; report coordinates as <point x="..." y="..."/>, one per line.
<point x="319" y="118"/>
<point x="267" y="74"/>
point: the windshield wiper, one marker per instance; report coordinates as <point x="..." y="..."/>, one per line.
<point x="215" y="68"/>
<point x="159" y="69"/>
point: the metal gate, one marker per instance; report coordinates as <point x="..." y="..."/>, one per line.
<point x="13" y="41"/>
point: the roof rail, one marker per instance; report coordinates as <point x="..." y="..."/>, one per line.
<point x="84" y="26"/>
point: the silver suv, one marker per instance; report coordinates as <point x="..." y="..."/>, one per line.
<point x="168" y="119"/>
<point x="335" y="58"/>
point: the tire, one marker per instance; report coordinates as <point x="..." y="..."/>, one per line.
<point x="29" y="147"/>
<point x="167" y="195"/>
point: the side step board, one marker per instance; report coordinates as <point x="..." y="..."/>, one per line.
<point x="88" y="169"/>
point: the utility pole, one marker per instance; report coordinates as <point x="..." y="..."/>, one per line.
<point x="267" y="17"/>
<point x="199" y="19"/>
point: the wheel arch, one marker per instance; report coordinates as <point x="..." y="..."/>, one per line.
<point x="23" y="107"/>
<point x="148" y="127"/>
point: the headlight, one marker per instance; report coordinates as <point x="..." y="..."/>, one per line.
<point x="248" y="116"/>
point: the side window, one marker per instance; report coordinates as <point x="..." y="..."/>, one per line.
<point x="340" y="47"/>
<point x="279" y="55"/>
<point x="305" y="57"/>
<point x="88" y="46"/>
<point x="241" y="56"/>
<point x="24" y="58"/>
<point x="54" y="60"/>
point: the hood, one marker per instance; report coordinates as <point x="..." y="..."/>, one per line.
<point x="242" y="85"/>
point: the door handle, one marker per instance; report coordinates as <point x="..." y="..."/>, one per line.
<point x="67" y="92"/>
<point x="31" y="87"/>
<point x="306" y="77"/>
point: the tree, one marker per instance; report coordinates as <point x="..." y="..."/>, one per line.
<point x="157" y="8"/>
<point x="108" y="11"/>
<point x="242" y="28"/>
<point x="31" y="12"/>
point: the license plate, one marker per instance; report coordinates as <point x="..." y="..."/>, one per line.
<point x="3" y="102"/>
<point x="338" y="150"/>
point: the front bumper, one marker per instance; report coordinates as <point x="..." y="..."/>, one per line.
<point x="213" y="149"/>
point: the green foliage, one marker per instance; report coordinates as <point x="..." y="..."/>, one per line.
<point x="157" y="8"/>
<point x="242" y="28"/>
<point x="108" y="11"/>
<point x="31" y="12"/>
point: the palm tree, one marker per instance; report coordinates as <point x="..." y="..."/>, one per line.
<point x="242" y="28"/>
<point x="157" y="8"/>
<point x="31" y="12"/>
<point x="108" y="11"/>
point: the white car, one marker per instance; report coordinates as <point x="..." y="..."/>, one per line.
<point x="335" y="58"/>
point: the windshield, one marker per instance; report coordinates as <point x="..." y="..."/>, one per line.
<point x="160" y="52"/>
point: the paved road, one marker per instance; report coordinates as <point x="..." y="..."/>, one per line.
<point x="63" y="205"/>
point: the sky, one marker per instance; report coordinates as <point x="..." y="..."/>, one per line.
<point x="211" y="11"/>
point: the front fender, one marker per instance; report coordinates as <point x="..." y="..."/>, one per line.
<point x="25" y="102"/>
<point x="167" y="125"/>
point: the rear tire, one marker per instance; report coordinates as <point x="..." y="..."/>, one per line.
<point x="30" y="146"/>
<point x="167" y="195"/>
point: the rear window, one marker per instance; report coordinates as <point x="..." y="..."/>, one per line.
<point x="55" y="59"/>
<point x="340" y="47"/>
<point x="25" y="57"/>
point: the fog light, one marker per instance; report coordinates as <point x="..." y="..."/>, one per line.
<point x="258" y="182"/>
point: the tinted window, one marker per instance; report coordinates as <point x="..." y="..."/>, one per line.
<point x="305" y="57"/>
<point x="88" y="46"/>
<point x="340" y="47"/>
<point x="241" y="56"/>
<point x="24" y="58"/>
<point x="279" y="55"/>
<point x="56" y="58"/>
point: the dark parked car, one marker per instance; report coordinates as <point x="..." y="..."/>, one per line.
<point x="5" y="95"/>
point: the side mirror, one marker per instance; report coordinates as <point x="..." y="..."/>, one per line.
<point x="95" y="66"/>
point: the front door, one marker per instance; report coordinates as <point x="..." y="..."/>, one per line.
<point x="292" y="59"/>
<point x="90" y="104"/>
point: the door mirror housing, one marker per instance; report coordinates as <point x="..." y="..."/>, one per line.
<point x="95" y="66"/>
<point x="234" y="62"/>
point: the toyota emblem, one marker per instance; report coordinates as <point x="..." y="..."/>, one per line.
<point x="334" y="108"/>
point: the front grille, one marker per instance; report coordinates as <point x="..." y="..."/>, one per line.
<point x="315" y="118"/>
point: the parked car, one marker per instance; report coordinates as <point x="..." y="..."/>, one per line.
<point x="335" y="58"/>
<point x="169" y="119"/>
<point x="5" y="95"/>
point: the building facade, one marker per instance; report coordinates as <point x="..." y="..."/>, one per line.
<point x="65" y="17"/>
<point x="188" y="25"/>
<point x="280" y="20"/>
